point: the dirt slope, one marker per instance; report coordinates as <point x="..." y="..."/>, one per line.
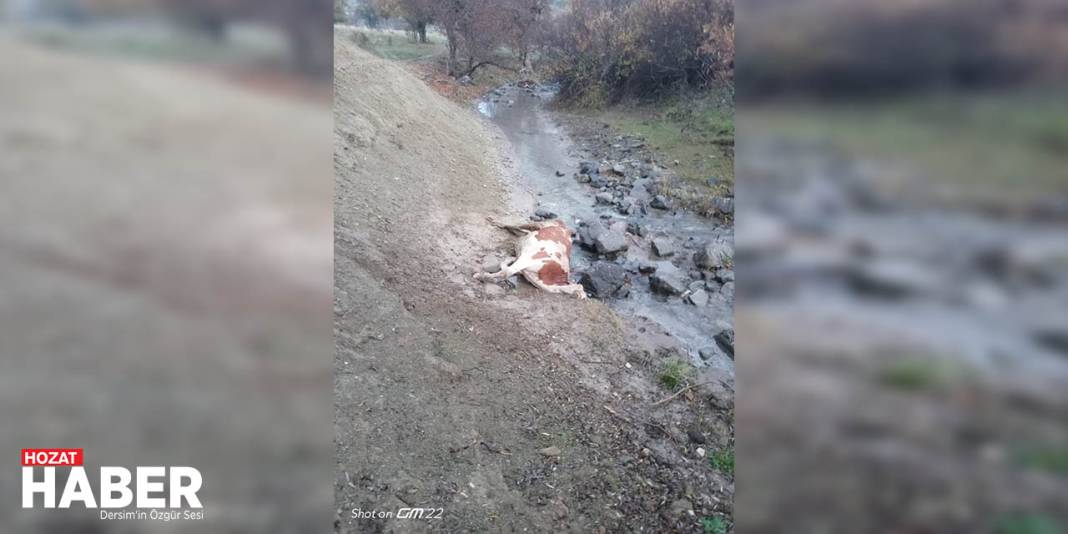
<point x="164" y="266"/>
<point x="448" y="390"/>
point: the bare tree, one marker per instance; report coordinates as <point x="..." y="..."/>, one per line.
<point x="419" y="14"/>
<point x="303" y="21"/>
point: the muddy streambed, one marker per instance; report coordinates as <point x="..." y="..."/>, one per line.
<point x="549" y="162"/>
<point x="825" y="243"/>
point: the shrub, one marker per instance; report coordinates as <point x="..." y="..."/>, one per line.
<point x="605" y="50"/>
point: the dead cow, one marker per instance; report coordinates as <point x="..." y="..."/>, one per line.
<point x="543" y="255"/>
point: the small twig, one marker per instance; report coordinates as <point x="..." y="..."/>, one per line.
<point x="488" y="446"/>
<point x="613" y="412"/>
<point x="495" y="449"/>
<point x="679" y="392"/>
<point x="455" y="450"/>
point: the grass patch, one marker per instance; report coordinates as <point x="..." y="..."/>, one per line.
<point x="1027" y="524"/>
<point x="396" y="45"/>
<point x="696" y="132"/>
<point x="915" y="373"/>
<point x="714" y="525"/>
<point x="1049" y="459"/>
<point x="1012" y="144"/>
<point x="699" y="133"/>
<point x="722" y="460"/>
<point x="675" y="373"/>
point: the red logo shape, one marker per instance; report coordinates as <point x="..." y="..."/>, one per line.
<point x="52" y="457"/>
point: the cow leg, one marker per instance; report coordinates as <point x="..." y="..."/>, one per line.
<point x="505" y="271"/>
<point x="575" y="290"/>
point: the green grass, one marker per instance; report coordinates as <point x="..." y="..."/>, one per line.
<point x="396" y="45"/>
<point x="1012" y="144"/>
<point x="675" y="373"/>
<point x="1027" y="524"/>
<point x="1049" y="459"/>
<point x="714" y="525"/>
<point x="722" y="460"/>
<point x="699" y="133"/>
<point x="915" y="373"/>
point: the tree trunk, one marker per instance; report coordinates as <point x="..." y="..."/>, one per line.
<point x="421" y="30"/>
<point x="524" y="60"/>
<point x="450" y="36"/>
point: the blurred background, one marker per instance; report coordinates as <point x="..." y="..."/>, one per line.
<point x="165" y="252"/>
<point x="902" y="234"/>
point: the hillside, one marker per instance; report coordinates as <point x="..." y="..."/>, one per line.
<point x="511" y="411"/>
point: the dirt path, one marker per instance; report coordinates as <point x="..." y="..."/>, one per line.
<point x="516" y="411"/>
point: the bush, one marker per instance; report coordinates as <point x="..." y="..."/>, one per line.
<point x="873" y="48"/>
<point x="605" y="50"/>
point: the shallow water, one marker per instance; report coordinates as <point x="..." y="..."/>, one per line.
<point x="990" y="292"/>
<point x="541" y="148"/>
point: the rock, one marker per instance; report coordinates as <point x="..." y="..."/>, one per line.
<point x="713" y="255"/>
<point x="618" y="169"/>
<point x="466" y="80"/>
<point x="1038" y="260"/>
<point x="668" y="280"/>
<point x="660" y="202"/>
<point x="611" y="242"/>
<point x="635" y="228"/>
<point x="604" y="198"/>
<point x="559" y="173"/>
<point x="588" y="167"/>
<point x="725" y="340"/>
<point x="706" y="353"/>
<point x="761" y="235"/>
<point x="698" y="298"/>
<point x="727" y="290"/>
<point x="646" y="267"/>
<point x="680" y="508"/>
<point x="603" y="279"/>
<point x="1053" y="338"/>
<point x="582" y="178"/>
<point x="895" y="279"/>
<point x="663" y="247"/>
<point x="723" y="205"/>
<point x="596" y="180"/>
<point x="550" y="451"/>
<point x="544" y="213"/>
<point x="629" y="206"/>
<point x="700" y="452"/>
<point x="559" y="510"/>
<point x="604" y="239"/>
<point x="695" y="436"/>
<point x="724" y="275"/>
<point x="490" y="263"/>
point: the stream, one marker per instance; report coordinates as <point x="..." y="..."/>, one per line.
<point x="548" y="161"/>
